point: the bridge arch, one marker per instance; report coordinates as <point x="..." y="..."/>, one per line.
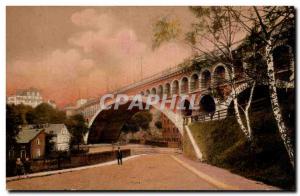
<point x="220" y="74"/>
<point x="160" y="91"/>
<point x="175" y="87"/>
<point x="205" y="79"/>
<point x="187" y="111"/>
<point x="167" y="89"/>
<point x="184" y="85"/>
<point x="207" y="104"/>
<point x="153" y="91"/>
<point x="147" y="92"/>
<point x="194" y="82"/>
<point x="105" y="126"/>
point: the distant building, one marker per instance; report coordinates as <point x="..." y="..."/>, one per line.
<point x="77" y="109"/>
<point x="70" y="110"/>
<point x="30" y="143"/>
<point x="31" y="97"/>
<point x="61" y="137"/>
<point x="80" y="102"/>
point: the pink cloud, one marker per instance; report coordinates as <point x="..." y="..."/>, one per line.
<point x="103" y="51"/>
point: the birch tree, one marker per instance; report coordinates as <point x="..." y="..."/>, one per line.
<point x="215" y="35"/>
<point x="270" y="21"/>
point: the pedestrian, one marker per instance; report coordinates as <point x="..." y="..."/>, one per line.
<point x="27" y="166"/>
<point x="19" y="167"/>
<point x="119" y="156"/>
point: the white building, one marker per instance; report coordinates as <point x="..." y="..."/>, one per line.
<point x="61" y="137"/>
<point x="80" y="102"/>
<point x="31" y="97"/>
<point x="70" y="110"/>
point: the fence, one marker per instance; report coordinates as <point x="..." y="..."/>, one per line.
<point x="75" y="161"/>
<point x="158" y="143"/>
<point x="256" y="105"/>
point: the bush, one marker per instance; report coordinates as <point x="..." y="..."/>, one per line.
<point x="158" y="124"/>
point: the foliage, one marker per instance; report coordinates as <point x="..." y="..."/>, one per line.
<point x="158" y="124"/>
<point x="130" y="126"/>
<point x="142" y="119"/>
<point x="23" y="110"/>
<point x="44" y="113"/>
<point x="223" y="145"/>
<point x="49" y="145"/>
<point x="78" y="128"/>
<point x="13" y="121"/>
<point x="164" y="30"/>
<point x="272" y="22"/>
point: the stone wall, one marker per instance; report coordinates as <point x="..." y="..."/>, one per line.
<point x="76" y="160"/>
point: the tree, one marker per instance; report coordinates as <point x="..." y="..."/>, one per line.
<point x="13" y="121"/>
<point x="58" y="117"/>
<point x="42" y="114"/>
<point x="23" y="110"/>
<point x="78" y="128"/>
<point x="49" y="144"/>
<point x="266" y="22"/>
<point x="45" y="113"/>
<point x="143" y="119"/>
<point x="130" y="126"/>
<point x="214" y="36"/>
<point x="158" y="124"/>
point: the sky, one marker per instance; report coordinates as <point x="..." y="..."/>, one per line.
<point x="78" y="52"/>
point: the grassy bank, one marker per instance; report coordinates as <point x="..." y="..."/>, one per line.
<point x="224" y="145"/>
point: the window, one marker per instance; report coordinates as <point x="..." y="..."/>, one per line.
<point x="38" y="141"/>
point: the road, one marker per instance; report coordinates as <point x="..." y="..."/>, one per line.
<point x="146" y="172"/>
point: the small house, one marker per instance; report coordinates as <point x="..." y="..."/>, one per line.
<point x="61" y="136"/>
<point x="30" y="143"/>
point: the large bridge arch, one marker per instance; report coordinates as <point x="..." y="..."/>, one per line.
<point x="105" y="126"/>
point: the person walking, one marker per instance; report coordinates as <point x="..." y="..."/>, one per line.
<point x="119" y="156"/>
<point x="19" y="167"/>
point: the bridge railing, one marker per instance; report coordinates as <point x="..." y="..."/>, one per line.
<point x="256" y="106"/>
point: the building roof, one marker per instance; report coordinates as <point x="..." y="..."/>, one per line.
<point x="27" y="134"/>
<point x="54" y="128"/>
<point x="24" y="91"/>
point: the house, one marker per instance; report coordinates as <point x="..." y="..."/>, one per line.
<point x="30" y="143"/>
<point x="61" y="136"/>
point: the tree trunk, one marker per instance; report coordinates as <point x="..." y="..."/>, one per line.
<point x="246" y="111"/>
<point x="282" y="128"/>
<point x="239" y="119"/>
<point x="236" y="108"/>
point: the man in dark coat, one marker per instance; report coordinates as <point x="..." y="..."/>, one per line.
<point x="19" y="167"/>
<point x="119" y="156"/>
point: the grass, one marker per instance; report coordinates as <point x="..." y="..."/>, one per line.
<point x="224" y="145"/>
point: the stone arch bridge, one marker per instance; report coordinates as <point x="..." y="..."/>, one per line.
<point x="190" y="79"/>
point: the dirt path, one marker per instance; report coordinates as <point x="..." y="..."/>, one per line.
<point x="147" y="172"/>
